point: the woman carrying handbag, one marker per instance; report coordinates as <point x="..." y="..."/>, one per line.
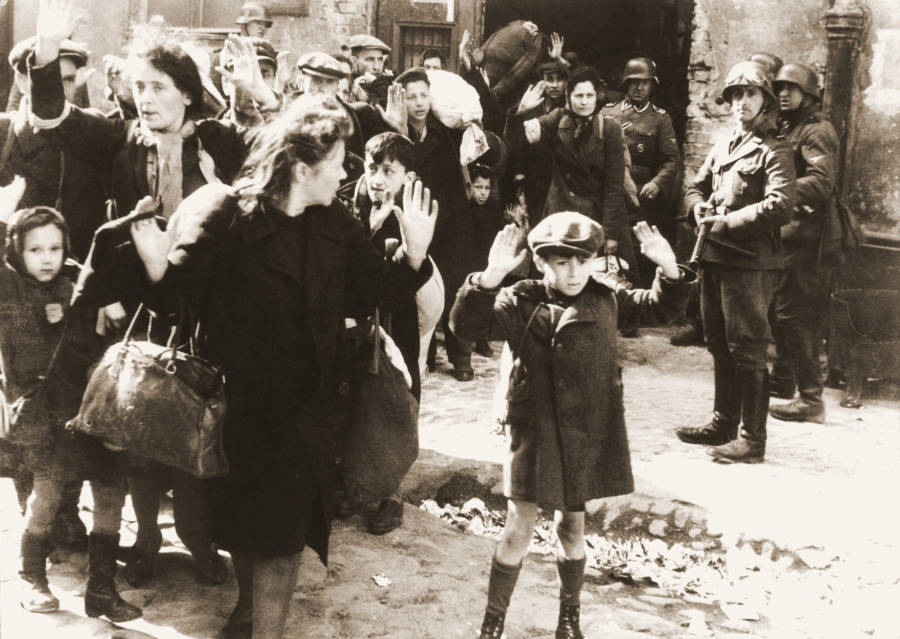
<point x="272" y="267"/>
<point x="168" y="151"/>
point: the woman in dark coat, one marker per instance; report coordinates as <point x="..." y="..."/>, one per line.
<point x="588" y="156"/>
<point x="272" y="268"/>
<point x="167" y="152"/>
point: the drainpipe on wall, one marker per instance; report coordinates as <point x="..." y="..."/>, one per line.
<point x="845" y="23"/>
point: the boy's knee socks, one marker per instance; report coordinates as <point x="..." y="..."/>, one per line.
<point x="501" y="585"/>
<point x="571" y="578"/>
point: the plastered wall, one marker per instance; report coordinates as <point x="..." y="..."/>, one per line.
<point x="872" y="174"/>
<point x="728" y="31"/>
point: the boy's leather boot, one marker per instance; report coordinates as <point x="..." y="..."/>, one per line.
<point x="568" y="626"/>
<point x="492" y="626"/>
<point x="726" y="409"/>
<point x="101" y="597"/>
<point x="36" y="595"/>
<point x="751" y="447"/>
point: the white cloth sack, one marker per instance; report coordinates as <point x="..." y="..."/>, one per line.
<point x="455" y="103"/>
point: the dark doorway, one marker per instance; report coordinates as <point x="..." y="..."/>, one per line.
<point x="606" y="33"/>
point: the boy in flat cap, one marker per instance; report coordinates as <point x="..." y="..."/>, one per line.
<point x="564" y="404"/>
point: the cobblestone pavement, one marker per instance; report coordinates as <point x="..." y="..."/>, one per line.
<point x="808" y="540"/>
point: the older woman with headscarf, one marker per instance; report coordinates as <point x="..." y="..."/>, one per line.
<point x="167" y="152"/>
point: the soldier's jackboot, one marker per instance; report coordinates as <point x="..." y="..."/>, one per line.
<point x="750" y="448"/>
<point x="782" y="382"/>
<point x="809" y="407"/>
<point x="726" y="409"/>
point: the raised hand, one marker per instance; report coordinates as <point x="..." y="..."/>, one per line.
<point x="532" y="97"/>
<point x="285" y="67"/>
<point x="417" y="220"/>
<point x="464" y="50"/>
<point x="656" y="249"/>
<point x="151" y="242"/>
<point x="245" y="75"/>
<point x="556" y="46"/>
<point x="505" y="255"/>
<point x="56" y="21"/>
<point x="395" y="114"/>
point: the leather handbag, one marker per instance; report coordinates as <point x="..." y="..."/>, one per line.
<point x="382" y="439"/>
<point x="158" y="402"/>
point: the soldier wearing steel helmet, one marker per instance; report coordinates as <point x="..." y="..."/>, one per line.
<point x="655" y="157"/>
<point x="254" y="20"/>
<point x="811" y="245"/>
<point x="744" y="192"/>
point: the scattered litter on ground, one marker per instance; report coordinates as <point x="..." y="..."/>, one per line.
<point x="381" y="581"/>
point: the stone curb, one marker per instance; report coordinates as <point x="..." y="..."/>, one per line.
<point x="652" y="513"/>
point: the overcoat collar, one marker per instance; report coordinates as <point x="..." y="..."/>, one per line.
<point x="585" y="308"/>
<point x="590" y="144"/>
<point x="723" y="156"/>
<point x="323" y="239"/>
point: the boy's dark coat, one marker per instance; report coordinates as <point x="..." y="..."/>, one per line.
<point x="567" y="424"/>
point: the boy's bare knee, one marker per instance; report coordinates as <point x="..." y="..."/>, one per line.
<point x="570" y="529"/>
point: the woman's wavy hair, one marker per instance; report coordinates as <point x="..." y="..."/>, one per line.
<point x="169" y="57"/>
<point x="306" y="132"/>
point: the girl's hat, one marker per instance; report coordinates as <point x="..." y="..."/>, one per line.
<point x="25" y="220"/>
<point x="567" y="233"/>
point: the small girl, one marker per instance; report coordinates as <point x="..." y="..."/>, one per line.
<point x="564" y="404"/>
<point x="34" y="299"/>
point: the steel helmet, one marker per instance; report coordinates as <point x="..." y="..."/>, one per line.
<point x="769" y="60"/>
<point x="748" y="74"/>
<point x="801" y="75"/>
<point x="639" y="69"/>
<point x="253" y="11"/>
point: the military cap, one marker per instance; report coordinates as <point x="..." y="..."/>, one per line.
<point x="748" y="74"/>
<point x="803" y="76"/>
<point x="67" y="49"/>
<point x="552" y="66"/>
<point x="366" y="41"/>
<point x="322" y="65"/>
<point x="639" y="69"/>
<point x="770" y="61"/>
<point x="253" y="12"/>
<point x="567" y="233"/>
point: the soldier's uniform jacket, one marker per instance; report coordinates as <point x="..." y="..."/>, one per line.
<point x="750" y="178"/>
<point x="651" y="143"/>
<point x="815" y="144"/>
